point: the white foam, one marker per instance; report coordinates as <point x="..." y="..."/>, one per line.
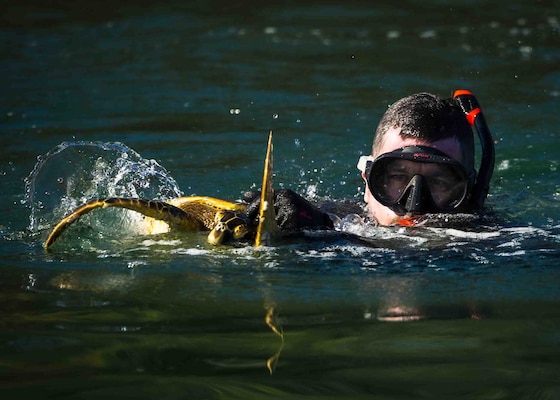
<point x="151" y="242"/>
<point x="190" y="251"/>
<point x="471" y="235"/>
<point x="512" y="254"/>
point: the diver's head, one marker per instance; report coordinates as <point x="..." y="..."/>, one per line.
<point x="422" y="160"/>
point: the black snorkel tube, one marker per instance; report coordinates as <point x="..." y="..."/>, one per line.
<point x="468" y="103"/>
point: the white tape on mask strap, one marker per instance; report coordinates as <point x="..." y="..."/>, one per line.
<point x="362" y="162"/>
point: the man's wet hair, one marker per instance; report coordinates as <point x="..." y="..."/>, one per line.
<point x="428" y="118"/>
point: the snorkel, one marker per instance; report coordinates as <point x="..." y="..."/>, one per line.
<point x="470" y="106"/>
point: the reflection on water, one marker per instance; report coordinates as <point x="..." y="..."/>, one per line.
<point x="431" y="312"/>
<point x="132" y="332"/>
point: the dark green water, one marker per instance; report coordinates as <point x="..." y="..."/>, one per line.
<point x="196" y="86"/>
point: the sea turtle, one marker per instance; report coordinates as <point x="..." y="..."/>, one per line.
<point x="224" y="219"/>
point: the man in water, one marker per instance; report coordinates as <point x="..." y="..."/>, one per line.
<point x="422" y="162"/>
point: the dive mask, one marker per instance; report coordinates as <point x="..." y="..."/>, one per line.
<point x="418" y="180"/>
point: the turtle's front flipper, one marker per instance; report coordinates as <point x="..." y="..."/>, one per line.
<point x="159" y="210"/>
<point x="267" y="228"/>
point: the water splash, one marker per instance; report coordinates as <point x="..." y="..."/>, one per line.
<point x="74" y="172"/>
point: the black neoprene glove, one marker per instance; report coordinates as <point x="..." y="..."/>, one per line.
<point x="293" y="212"/>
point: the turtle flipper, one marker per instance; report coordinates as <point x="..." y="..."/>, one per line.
<point x="158" y="210"/>
<point x="267" y="227"/>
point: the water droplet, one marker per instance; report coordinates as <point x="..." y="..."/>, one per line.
<point x="270" y="30"/>
<point x="429" y="34"/>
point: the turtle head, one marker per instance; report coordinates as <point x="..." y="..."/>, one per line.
<point x="229" y="225"/>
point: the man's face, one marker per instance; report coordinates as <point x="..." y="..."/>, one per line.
<point x="384" y="215"/>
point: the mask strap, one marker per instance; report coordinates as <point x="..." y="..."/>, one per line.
<point x="468" y="103"/>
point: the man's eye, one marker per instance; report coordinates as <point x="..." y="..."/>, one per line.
<point x="438" y="182"/>
<point x="441" y="184"/>
<point x="399" y="178"/>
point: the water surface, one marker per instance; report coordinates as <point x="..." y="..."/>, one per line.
<point x="191" y="91"/>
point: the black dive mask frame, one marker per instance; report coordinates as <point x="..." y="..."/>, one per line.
<point x="416" y="197"/>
